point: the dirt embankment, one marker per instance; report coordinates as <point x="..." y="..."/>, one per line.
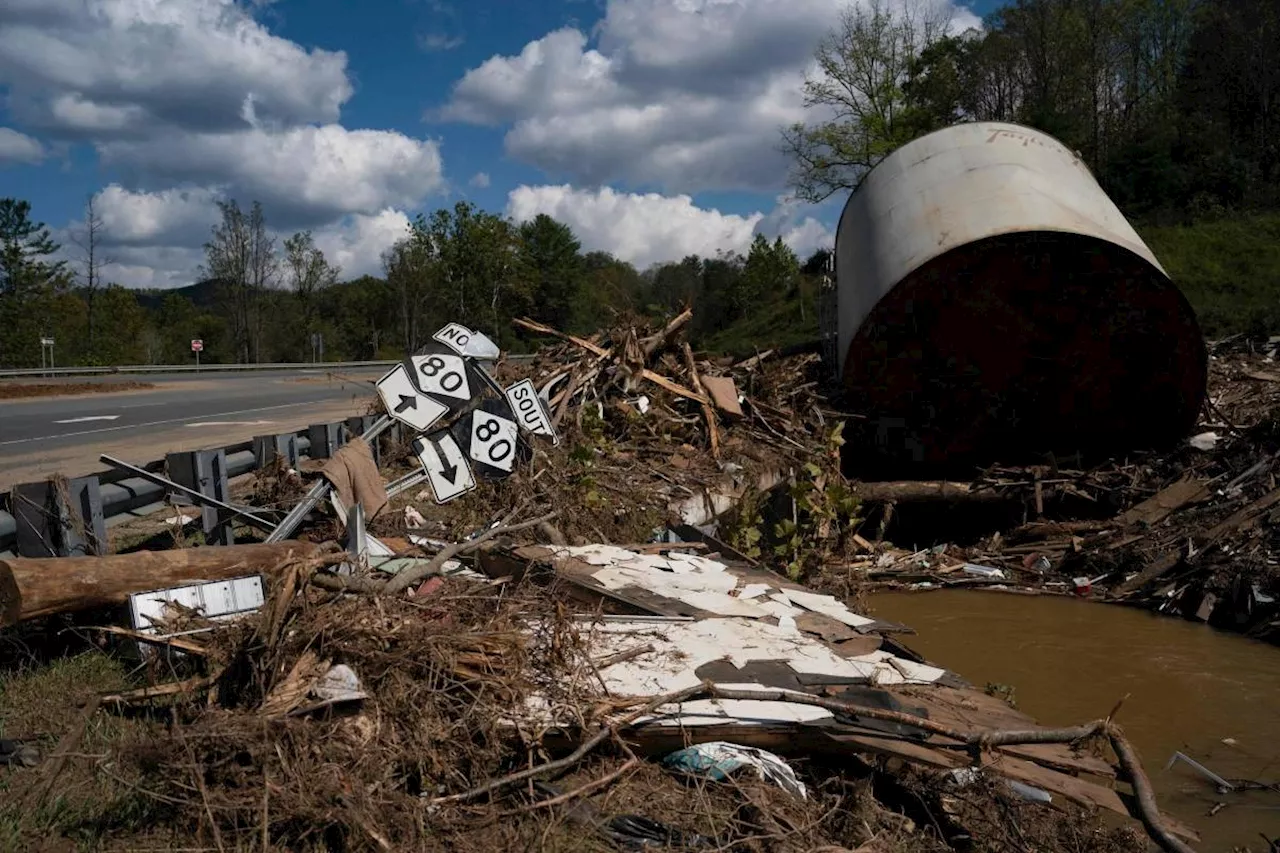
<point x="25" y="390"/>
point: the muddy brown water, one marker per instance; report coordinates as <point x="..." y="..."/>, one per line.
<point x="1210" y="695"/>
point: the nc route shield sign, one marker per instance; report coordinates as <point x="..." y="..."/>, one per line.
<point x="491" y="439"/>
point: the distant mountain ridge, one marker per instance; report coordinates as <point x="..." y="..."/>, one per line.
<point x="202" y="294"/>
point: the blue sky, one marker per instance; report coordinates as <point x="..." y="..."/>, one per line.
<point x="650" y="126"/>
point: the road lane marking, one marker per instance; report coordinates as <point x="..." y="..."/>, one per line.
<point x="228" y="423"/>
<point x="11" y="441"/>
<point x="88" y="418"/>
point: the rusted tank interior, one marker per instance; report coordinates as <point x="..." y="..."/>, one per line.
<point x="1019" y="346"/>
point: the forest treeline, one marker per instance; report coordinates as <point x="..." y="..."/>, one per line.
<point x="1174" y="104"/>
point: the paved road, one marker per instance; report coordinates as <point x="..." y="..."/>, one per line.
<point x="183" y="412"/>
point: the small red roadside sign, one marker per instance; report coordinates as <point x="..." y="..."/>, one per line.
<point x="197" y="345"/>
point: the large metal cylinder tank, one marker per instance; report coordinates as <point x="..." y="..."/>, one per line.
<point x="994" y="304"/>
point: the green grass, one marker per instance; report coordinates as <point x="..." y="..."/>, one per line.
<point x="783" y="322"/>
<point x="1229" y="270"/>
<point x="89" y="804"/>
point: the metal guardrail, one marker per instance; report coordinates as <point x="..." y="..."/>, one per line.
<point x="37" y="372"/>
<point x="124" y="495"/>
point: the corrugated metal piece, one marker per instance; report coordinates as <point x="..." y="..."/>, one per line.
<point x="993" y="300"/>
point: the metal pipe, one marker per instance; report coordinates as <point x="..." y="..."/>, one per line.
<point x="256" y="520"/>
<point x="319" y="489"/>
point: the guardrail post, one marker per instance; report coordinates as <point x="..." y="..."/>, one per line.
<point x="325" y="439"/>
<point x="205" y="471"/>
<point x="267" y="447"/>
<point x="359" y="425"/>
<point x="53" y="521"/>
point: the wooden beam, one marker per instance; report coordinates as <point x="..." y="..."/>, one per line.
<point x="39" y="587"/>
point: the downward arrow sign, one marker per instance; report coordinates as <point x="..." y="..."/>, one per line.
<point x="451" y="473"/>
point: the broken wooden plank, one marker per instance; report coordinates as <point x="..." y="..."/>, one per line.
<point x="724" y="393"/>
<point x="922" y="491"/>
<point x="1242" y="517"/>
<point x="1076" y="790"/>
<point x="713" y="432"/>
<point x="1153" y="571"/>
<point x="1164" y="503"/>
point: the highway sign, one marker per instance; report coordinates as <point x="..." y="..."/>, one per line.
<point x="490" y="438"/>
<point x="46" y="342"/>
<point x="493" y="440"/>
<point x="197" y="345"/>
<point x="455" y="337"/>
<point x="531" y="410"/>
<point x="406" y="403"/>
<point x="447" y="470"/>
<point x="445" y="375"/>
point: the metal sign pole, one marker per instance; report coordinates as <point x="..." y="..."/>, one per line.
<point x="318" y="491"/>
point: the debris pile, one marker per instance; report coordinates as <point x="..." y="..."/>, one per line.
<point x="638" y="628"/>
<point x="552" y="700"/>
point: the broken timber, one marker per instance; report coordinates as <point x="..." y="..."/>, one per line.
<point x="39" y="587"/>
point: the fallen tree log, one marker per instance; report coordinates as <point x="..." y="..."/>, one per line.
<point x="911" y="491"/>
<point x="41" y="587"/>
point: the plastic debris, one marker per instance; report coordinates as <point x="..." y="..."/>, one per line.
<point x="339" y="684"/>
<point x="718" y="760"/>
<point x="963" y="776"/>
<point x="1205" y="441"/>
<point x="982" y="571"/>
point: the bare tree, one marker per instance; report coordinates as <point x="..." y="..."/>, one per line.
<point x="412" y="269"/>
<point x="241" y="257"/>
<point x="858" y="93"/>
<point x="308" y="272"/>
<point x="88" y="238"/>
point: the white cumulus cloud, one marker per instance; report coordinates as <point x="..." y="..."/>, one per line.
<point x="681" y="95"/>
<point x="156" y="239"/>
<point x="650" y="228"/>
<point x="17" y="147"/>
<point x="303" y="176"/>
<point x="126" y="67"/>
<point x="357" y="242"/>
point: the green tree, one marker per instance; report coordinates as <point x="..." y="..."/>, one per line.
<point x="551" y="269"/>
<point x="863" y="66"/>
<point x="721" y="282"/>
<point x="124" y="322"/>
<point x="610" y="287"/>
<point x="28" y="279"/>
<point x="674" y="285"/>
<point x="771" y="271"/>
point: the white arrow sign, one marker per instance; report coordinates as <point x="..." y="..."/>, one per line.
<point x="442" y="374"/>
<point x="405" y="403"/>
<point x="530" y="409"/>
<point x="493" y="440"/>
<point x="446" y="467"/>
